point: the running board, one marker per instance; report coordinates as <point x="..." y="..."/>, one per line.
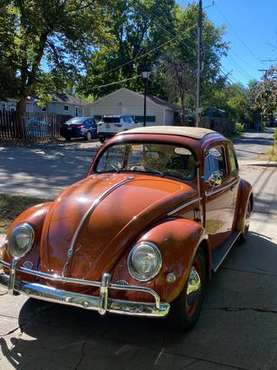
<point x="220" y="253"/>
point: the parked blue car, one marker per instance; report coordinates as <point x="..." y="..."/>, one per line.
<point x="79" y="127"/>
<point x="37" y="128"/>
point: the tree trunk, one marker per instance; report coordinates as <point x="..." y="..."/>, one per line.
<point x="183" y="110"/>
<point x="20" y="116"/>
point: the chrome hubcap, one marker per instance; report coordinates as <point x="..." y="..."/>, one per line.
<point x="194" y="286"/>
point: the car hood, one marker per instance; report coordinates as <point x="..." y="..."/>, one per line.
<point x="93" y="221"/>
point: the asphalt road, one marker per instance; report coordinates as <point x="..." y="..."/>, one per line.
<point x="237" y="328"/>
<point x="45" y="170"/>
<point x="251" y="144"/>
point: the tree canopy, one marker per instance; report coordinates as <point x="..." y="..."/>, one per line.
<point x="265" y="93"/>
<point x="94" y="47"/>
<point x="44" y="44"/>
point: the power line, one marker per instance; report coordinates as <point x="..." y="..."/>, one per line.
<point x="227" y="75"/>
<point x="145" y="54"/>
<point x="116" y="82"/>
<point x="240" y="69"/>
<point x="153" y="49"/>
<point x="236" y="33"/>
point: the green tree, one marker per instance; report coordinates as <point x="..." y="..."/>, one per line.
<point x="134" y="29"/>
<point x="265" y="93"/>
<point x="180" y="58"/>
<point x="45" y="43"/>
<point x="8" y="80"/>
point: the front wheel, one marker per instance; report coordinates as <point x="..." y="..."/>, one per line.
<point x="185" y="310"/>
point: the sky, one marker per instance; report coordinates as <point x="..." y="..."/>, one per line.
<point x="251" y="31"/>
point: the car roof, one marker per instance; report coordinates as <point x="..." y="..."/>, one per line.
<point x="117" y="115"/>
<point x="79" y="118"/>
<point x="192" y="132"/>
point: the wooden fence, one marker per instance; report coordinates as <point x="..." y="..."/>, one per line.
<point x="33" y="127"/>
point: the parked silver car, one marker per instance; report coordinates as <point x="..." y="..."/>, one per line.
<point x="110" y="125"/>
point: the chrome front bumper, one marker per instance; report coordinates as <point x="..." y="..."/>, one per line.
<point x="101" y="303"/>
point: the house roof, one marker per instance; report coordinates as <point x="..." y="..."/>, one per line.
<point x="66" y="98"/>
<point x="193" y="132"/>
<point x="153" y="98"/>
<point x="163" y="102"/>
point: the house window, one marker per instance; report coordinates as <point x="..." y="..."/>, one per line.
<point x="66" y="108"/>
<point x="148" y="118"/>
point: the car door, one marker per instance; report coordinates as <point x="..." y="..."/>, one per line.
<point x="219" y="190"/>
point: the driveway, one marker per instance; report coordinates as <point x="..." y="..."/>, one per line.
<point x="237" y="328"/>
<point x="44" y="170"/>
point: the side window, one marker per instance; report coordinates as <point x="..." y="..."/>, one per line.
<point x="233" y="161"/>
<point x="214" y="162"/>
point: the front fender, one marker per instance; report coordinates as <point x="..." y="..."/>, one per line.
<point x="178" y="240"/>
<point x="35" y="217"/>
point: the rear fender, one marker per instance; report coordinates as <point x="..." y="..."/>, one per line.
<point x="245" y="194"/>
<point x="178" y="241"/>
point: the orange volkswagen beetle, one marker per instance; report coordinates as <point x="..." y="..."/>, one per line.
<point x="156" y="215"/>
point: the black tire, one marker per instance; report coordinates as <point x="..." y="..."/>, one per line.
<point x="89" y="136"/>
<point x="183" y="316"/>
<point x="243" y="236"/>
<point x="102" y="139"/>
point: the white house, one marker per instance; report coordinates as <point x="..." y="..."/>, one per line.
<point x="61" y="104"/>
<point x="128" y="102"/>
<point x="8" y="105"/>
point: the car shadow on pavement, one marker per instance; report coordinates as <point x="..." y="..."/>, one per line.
<point x="53" y="336"/>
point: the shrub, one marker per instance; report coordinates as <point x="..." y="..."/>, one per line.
<point x="239" y="128"/>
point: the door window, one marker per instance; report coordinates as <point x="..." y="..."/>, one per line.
<point x="214" y="162"/>
<point x="233" y="161"/>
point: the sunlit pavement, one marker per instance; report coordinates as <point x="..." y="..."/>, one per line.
<point x="237" y="327"/>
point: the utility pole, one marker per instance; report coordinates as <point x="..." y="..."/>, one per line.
<point x="199" y="62"/>
<point x="145" y="77"/>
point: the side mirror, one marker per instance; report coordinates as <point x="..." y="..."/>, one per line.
<point x="215" y="179"/>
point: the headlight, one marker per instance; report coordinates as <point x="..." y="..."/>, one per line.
<point x="21" y="240"/>
<point x="144" y="261"/>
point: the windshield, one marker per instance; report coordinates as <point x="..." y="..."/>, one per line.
<point x="161" y="159"/>
<point x="111" y="119"/>
<point x="75" y="120"/>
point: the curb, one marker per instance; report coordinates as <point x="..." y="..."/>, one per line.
<point x="258" y="163"/>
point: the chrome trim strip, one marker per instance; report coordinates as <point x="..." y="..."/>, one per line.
<point x="226" y="253"/>
<point x="101" y="303"/>
<point x="87" y="214"/>
<point x="183" y="206"/>
<point x="12" y="276"/>
<point x="96" y="284"/>
<point x="210" y="193"/>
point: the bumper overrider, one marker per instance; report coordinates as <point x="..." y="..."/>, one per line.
<point x="101" y="303"/>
